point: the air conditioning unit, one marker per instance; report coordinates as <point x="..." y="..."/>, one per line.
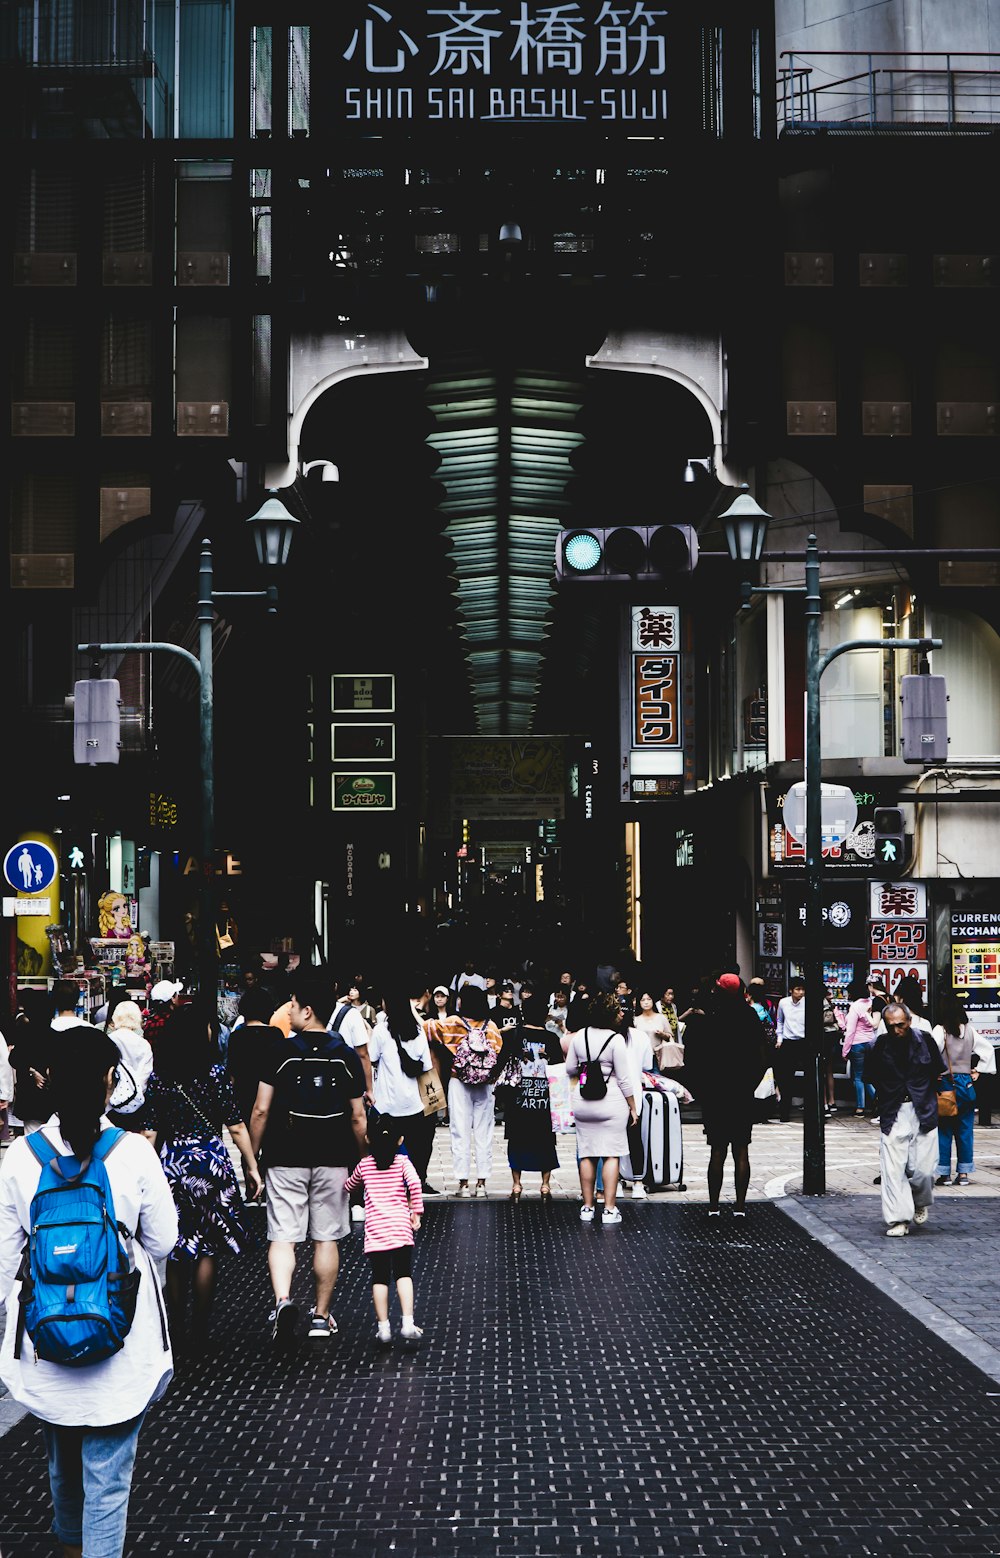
<point x="43" y="418"/>
<point x="45" y="270"/>
<point x="202" y="418"/>
<point x="126" y="418"/>
<point x="42" y="570"/>
<point x="203" y="270"/>
<point x="121" y="505"/>
<point x="129" y="268"/>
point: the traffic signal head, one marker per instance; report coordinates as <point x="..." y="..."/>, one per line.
<point x="890" y="839"/>
<point x="626" y="552"/>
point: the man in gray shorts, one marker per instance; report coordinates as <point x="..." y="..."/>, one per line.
<point x="310" y="1101"/>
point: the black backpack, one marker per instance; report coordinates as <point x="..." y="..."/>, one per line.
<point x="316" y="1083"/>
<point x="593" y="1082"/>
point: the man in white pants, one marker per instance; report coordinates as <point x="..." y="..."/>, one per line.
<point x="470" y="1104"/>
<point x="905" y="1066"/>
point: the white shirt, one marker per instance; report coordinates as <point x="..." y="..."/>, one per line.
<point x="395" y="1092"/>
<point x="123" y="1385"/>
<point x="640" y="1059"/>
<point x="468" y="979"/>
<point x="353" y="1030"/>
<point x="791" y="1018"/>
<point x="68" y="1020"/>
<point x="137" y="1057"/>
<point x="6" y="1073"/>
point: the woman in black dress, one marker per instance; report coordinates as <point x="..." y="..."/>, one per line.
<point x="531" y="1142"/>
<point x="189" y="1098"/>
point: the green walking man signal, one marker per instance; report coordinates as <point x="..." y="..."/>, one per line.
<point x="890" y="837"/>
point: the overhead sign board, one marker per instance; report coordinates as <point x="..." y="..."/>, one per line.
<point x="508" y="62"/>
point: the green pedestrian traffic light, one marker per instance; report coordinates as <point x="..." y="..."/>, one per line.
<point x="890" y="839"/>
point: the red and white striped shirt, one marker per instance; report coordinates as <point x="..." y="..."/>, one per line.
<point x="391" y="1195"/>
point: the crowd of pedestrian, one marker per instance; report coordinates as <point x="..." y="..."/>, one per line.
<point x="330" y="1097"/>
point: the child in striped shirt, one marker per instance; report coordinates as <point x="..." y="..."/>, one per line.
<point x="394" y="1206"/>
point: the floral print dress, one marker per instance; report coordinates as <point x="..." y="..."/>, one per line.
<point x="188" y="1117"/>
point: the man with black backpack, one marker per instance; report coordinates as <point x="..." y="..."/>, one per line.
<point x="310" y="1101"/>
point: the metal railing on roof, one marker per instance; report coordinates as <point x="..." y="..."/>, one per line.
<point x="890" y="89"/>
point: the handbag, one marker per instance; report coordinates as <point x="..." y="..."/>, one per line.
<point x="432" y="1094"/>
<point x="947" y="1102"/>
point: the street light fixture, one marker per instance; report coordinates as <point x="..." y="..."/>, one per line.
<point x="745" y="526"/>
<point x="273" y="528"/>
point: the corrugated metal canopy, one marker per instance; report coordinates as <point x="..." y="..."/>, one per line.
<point x="504" y="438"/>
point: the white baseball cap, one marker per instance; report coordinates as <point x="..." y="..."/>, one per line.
<point x="165" y="990"/>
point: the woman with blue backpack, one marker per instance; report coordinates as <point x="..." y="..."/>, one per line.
<point x="86" y="1347"/>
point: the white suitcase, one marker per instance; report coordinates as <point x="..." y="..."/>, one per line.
<point x="662" y="1141"/>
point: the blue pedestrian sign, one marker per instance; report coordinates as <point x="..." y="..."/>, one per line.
<point x="30" y="866"/>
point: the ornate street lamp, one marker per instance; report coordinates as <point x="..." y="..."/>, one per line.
<point x="745" y="526"/>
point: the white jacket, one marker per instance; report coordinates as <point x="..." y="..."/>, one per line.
<point x="123" y="1385"/>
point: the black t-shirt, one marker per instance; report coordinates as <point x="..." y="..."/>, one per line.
<point x="309" y="1144"/>
<point x="247" y="1049"/>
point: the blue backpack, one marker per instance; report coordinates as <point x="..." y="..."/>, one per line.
<point x="79" y="1282"/>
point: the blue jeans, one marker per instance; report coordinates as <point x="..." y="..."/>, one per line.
<point x="862" y="1089"/>
<point x="90" y="1475"/>
<point x="958" y="1129"/>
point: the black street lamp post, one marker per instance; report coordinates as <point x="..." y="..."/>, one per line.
<point x="273" y="528"/>
<point x="745" y="526"/>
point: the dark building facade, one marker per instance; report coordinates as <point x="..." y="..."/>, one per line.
<point x="452" y="281"/>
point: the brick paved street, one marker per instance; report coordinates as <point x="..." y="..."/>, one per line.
<point x="666" y="1387"/>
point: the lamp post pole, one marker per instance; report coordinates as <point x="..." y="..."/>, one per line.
<point x="745" y="525"/>
<point x="273" y="528"/>
<point x="207" y="962"/>
<point x="813" y="1142"/>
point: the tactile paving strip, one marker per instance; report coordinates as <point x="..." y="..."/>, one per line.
<point x="668" y="1386"/>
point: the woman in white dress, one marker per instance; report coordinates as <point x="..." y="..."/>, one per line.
<point x="601" y="1123"/>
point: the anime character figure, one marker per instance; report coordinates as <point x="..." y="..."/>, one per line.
<point x="113" y="920"/>
<point x="136" y="955"/>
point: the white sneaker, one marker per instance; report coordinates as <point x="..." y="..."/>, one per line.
<point x="610" y="1215"/>
<point x="586" y="1214"/>
<point x="897" y="1230"/>
<point x="921" y="1215"/>
<point x="463" y="1191"/>
<point x="639" y="1192"/>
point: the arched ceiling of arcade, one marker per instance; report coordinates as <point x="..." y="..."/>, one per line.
<point x="454" y="485"/>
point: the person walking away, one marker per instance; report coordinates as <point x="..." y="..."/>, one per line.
<point x="790" y="1054"/>
<point x="966" y="1055"/>
<point x="522" y="1076"/>
<point x="727" y="1055"/>
<point x="400" y="1054"/>
<point x="474" y="1044"/>
<point x="125" y="1028"/>
<point x="247" y="1047"/>
<point x="348" y="1020"/>
<point x="859" y="1036"/>
<point x="90" y="1414"/>
<point x="188" y="1100"/>
<point x="393" y="1209"/>
<point x="310" y="1115"/>
<point x="30" y="1048"/>
<point x="605" y="1105"/>
<point x="833" y="1039"/>
<point x="639" y="1044"/>
<point x="65" y="997"/>
<point x="905" y="1067"/>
